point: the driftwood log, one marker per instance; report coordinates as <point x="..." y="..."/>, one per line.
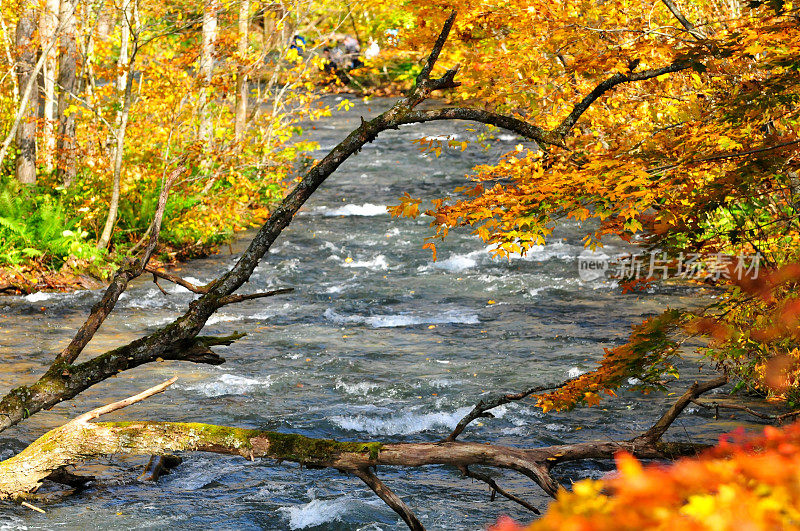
<point x="81" y="439"/>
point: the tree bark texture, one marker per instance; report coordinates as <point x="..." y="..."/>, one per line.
<point x="206" y="69"/>
<point x="48" y="25"/>
<point x="241" y="74"/>
<point x="26" y="47"/>
<point x="68" y="83"/>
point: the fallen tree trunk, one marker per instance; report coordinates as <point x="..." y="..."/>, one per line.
<point x="81" y="439"/>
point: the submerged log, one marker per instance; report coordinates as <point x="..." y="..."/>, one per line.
<point x="158" y="466"/>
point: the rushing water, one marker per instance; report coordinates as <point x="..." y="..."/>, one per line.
<point x="377" y="342"/>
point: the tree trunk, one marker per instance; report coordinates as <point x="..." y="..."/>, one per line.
<point x="241" y="75"/>
<point x="8" y="57"/>
<point x="47" y="29"/>
<point x="206" y="69"/>
<point x="67" y="81"/>
<point x="124" y="97"/>
<point x="113" y="206"/>
<point x="26" y="131"/>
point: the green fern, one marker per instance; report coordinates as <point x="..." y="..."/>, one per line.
<point x="34" y="227"/>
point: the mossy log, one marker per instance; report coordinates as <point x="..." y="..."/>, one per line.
<point x="76" y="442"/>
<point x="81" y="439"/>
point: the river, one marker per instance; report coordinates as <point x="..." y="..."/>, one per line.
<point x="377" y="342"/>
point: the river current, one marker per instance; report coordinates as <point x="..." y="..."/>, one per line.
<point x="377" y="341"/>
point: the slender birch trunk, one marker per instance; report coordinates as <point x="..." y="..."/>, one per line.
<point x="124" y="99"/>
<point x="67" y="81"/>
<point x="9" y="59"/>
<point x="26" y="131"/>
<point x="241" y="75"/>
<point x="47" y="30"/>
<point x="207" y="68"/>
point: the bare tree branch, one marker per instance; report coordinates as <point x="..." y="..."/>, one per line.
<point x="80" y="439"/>
<point x="392" y="500"/>
<point x="159" y="216"/>
<point x="697" y="389"/>
<point x="127" y="272"/>
<point x="510" y="123"/>
<point x="482" y="407"/>
<point x="617" y="79"/>
<point x="425" y="74"/>
<point x="688" y="26"/>
<point x="486" y="478"/>
<point x="718" y="405"/>
<point x="95" y="413"/>
<point x="175" y="279"/>
<point x="233" y="299"/>
<point x="179" y="340"/>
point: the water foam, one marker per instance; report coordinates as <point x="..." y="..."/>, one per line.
<point x="574" y="372"/>
<point x="318" y="512"/>
<point x="8" y="522"/>
<point x="39" y="296"/>
<point x="360" y="388"/>
<point x="230" y="384"/>
<point x="542" y="253"/>
<point x="365" y="210"/>
<point x="404" y="424"/>
<point x="394" y="321"/>
<point x="456" y="263"/>
<point x="222" y="318"/>
<point x="377" y="263"/>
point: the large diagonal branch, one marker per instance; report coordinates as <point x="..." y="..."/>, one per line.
<point x="697" y="389"/>
<point x="486" y="478"/>
<point x="130" y="270"/>
<point x="63" y="381"/>
<point x="390" y="498"/>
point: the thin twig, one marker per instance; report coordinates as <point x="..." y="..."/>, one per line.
<point x="233" y="299"/>
<point x="155" y="281"/>
<point x="727" y="156"/>
<point x="496" y="488"/>
<point x="159" y="215"/>
<point x="93" y="414"/>
<point x="175" y="279"/>
<point x="766" y="416"/>
<point x="33" y="507"/>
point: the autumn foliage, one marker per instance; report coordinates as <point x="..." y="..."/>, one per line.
<point x="745" y="482"/>
<point x="701" y="160"/>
